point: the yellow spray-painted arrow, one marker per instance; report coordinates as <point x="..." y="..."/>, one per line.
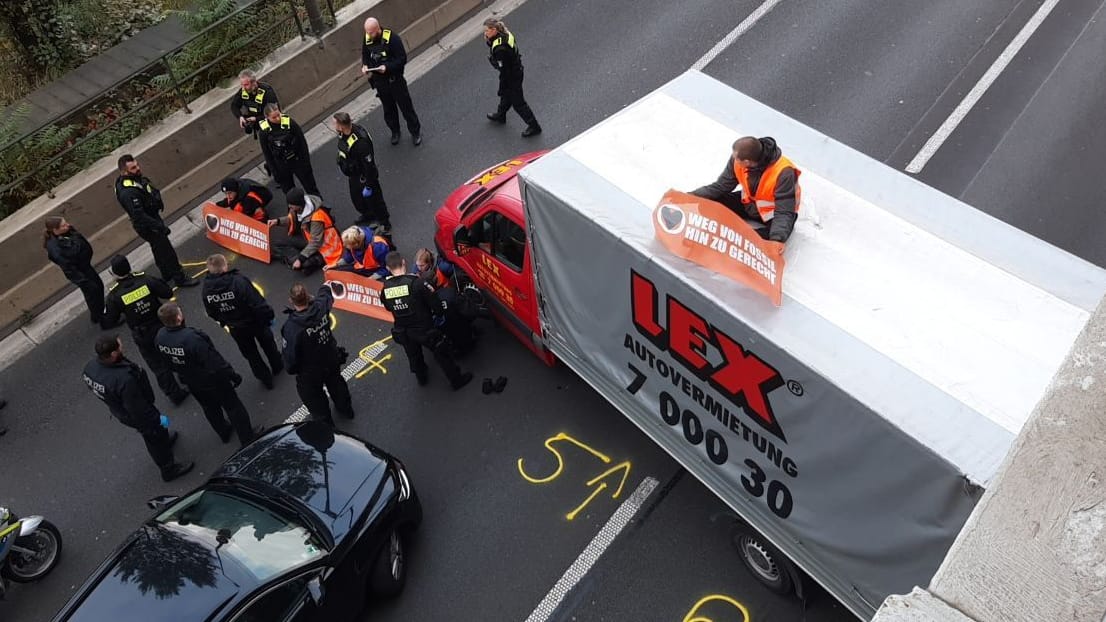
<point x="624" y="467"/>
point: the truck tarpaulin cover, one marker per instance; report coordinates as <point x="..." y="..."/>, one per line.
<point x="855" y="426"/>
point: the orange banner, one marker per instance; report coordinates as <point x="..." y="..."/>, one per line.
<point x="712" y="236"/>
<point x="357" y="294"/>
<point x="237" y="232"/>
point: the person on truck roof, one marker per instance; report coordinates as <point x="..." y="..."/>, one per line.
<point x="760" y="184"/>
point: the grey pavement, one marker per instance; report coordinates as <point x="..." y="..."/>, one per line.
<point x="493" y="545"/>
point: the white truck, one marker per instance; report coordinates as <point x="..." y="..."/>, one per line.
<point x="853" y="428"/>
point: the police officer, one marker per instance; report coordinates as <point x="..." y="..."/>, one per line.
<point x="357" y="161"/>
<point x="66" y="247"/>
<point x="143" y="205"/>
<point x="286" y="152"/>
<point x="383" y="59"/>
<point x="232" y="300"/>
<point x="212" y="380"/>
<point x="418" y="315"/>
<point x="245" y="196"/>
<point x="312" y="353"/>
<point x="125" y="388"/>
<point x="507" y="60"/>
<point x="249" y="103"/>
<point x="136" y="296"/>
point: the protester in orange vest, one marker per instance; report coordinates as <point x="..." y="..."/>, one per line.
<point x="246" y="196"/>
<point x="759" y="184"/>
<point x="430" y="270"/>
<point x="364" y="252"/>
<point x="308" y="215"/>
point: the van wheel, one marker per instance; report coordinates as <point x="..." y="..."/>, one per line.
<point x="389" y="572"/>
<point x="763" y="560"/>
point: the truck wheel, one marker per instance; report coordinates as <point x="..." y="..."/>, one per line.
<point x="763" y="560"/>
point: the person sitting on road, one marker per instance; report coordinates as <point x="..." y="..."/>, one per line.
<point x="308" y="215"/>
<point x="759" y="184"/>
<point x="246" y="196"/>
<point x="364" y="252"/>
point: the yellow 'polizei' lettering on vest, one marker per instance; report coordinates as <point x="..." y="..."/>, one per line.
<point x="130" y="298"/>
<point x="397" y="291"/>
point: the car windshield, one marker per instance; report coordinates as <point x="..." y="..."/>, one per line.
<point x="257" y="538"/>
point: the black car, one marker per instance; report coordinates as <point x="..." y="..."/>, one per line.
<point x="303" y="524"/>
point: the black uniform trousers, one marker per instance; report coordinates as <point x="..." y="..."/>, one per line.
<point x="219" y="398"/>
<point x="414" y="340"/>
<point x="510" y="96"/>
<point x="165" y="256"/>
<point x="301" y="170"/>
<point x="395" y="95"/>
<point x="144" y="339"/>
<point x="372" y="208"/>
<point x="310" y="385"/>
<point x="248" y="338"/>
<point x="92" y="288"/>
<point x="158" y="443"/>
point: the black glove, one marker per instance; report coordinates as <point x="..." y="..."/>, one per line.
<point x="165" y="230"/>
<point x="343" y="355"/>
<point x="235" y="379"/>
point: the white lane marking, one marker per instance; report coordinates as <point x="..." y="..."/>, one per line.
<point x="593" y="551"/>
<point x="741" y="29"/>
<point x="348" y="373"/>
<point x="942" y="134"/>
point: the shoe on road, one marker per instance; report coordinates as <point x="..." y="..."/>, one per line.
<point x="177" y="398"/>
<point x="395" y="138"/>
<point x="416" y="139"/>
<point x="225" y="434"/>
<point x="487" y="387"/>
<point x="176" y="470"/>
<point x="463" y="380"/>
<point x="500" y="119"/>
<point x="500" y="384"/>
<point x="532" y="130"/>
<point x="186" y="282"/>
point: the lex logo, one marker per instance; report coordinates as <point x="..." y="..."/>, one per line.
<point x="741" y="376"/>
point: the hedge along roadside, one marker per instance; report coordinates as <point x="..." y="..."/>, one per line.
<point x="188" y="154"/>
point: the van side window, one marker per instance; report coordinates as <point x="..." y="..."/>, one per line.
<point x="502" y="237"/>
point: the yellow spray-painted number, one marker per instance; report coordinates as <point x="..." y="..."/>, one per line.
<point x="695" y="614"/>
<point x="597" y="482"/>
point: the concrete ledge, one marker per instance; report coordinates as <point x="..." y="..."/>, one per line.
<point x="187" y="154"/>
<point x="918" y="606"/>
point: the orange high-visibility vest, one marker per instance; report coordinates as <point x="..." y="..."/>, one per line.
<point x="332" y="248"/>
<point x="258" y="214"/>
<point x="765" y="195"/>
<point x="368" y="259"/>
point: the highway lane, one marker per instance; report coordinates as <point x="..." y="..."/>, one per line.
<point x="494" y="544"/>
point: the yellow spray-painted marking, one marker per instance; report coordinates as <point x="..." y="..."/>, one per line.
<point x="194" y="264"/>
<point x="560" y="460"/>
<point x="622" y="466"/>
<point x="695" y="616"/>
<point x="374" y="364"/>
<point x="333" y="321"/>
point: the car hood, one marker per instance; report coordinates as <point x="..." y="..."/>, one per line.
<point x="333" y="474"/>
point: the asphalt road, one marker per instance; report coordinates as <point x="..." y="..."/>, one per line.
<point x="880" y="76"/>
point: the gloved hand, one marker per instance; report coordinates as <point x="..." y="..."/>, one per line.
<point x="235" y="379"/>
<point x="165" y="230"/>
<point x="366" y="192"/>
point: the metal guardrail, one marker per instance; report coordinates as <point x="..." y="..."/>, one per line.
<point x="173" y="89"/>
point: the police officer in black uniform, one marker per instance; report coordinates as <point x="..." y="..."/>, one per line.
<point x="312" y="353"/>
<point x="383" y="59"/>
<point x="507" y="60"/>
<point x="286" y="152"/>
<point x="124" y="387"/>
<point x="136" y="296"/>
<point x="71" y="251"/>
<point x="143" y="205"/>
<point x="357" y="161"/>
<point x="232" y="300"/>
<point x="418" y="316"/>
<point x="249" y="103"/>
<point x="210" y="377"/>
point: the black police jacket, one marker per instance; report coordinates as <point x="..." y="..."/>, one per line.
<point x="504" y="55"/>
<point x="72" y="253"/>
<point x="283" y="142"/>
<point x="191" y="354"/>
<point x="245" y="104"/>
<point x="126" y="389"/>
<point x="136" y="297"/>
<point x="356" y="156"/>
<point x="231" y="300"/>
<point x="142" y="202"/>
<point x="387" y="50"/>
<point x="309" y="346"/>
<point x="411" y="300"/>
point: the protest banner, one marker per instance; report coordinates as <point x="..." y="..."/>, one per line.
<point x="357" y="294"/>
<point x="237" y="232"/>
<point x="712" y="236"/>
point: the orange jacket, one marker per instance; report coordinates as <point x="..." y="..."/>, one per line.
<point x="331" y="245"/>
<point x="765" y="194"/>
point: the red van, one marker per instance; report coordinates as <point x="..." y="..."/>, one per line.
<point x="486" y="216"/>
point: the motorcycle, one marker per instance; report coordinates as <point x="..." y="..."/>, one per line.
<point x="29" y="548"/>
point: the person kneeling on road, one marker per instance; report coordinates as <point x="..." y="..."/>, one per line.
<point x="208" y="375"/>
<point x="246" y="196"/>
<point x="308" y="215"/>
<point x="126" y="390"/>
<point x="418" y="317"/>
<point x="312" y="353"/>
<point x="365" y="252"/>
<point x="232" y="300"/>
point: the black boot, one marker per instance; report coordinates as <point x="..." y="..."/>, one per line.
<point x="531" y="130"/>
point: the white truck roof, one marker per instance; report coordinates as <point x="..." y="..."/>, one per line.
<point x="947" y="322"/>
